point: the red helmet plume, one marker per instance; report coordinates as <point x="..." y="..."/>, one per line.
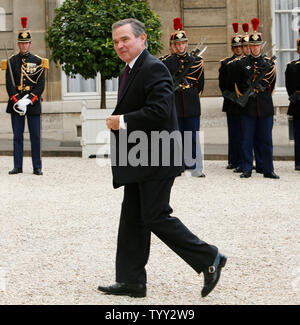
<point x="177" y="23"/>
<point x="24" y="22"/>
<point x="235" y="27"/>
<point x="245" y="27"/>
<point x="255" y="24"/>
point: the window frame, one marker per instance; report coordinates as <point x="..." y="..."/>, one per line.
<point x="79" y="95"/>
<point x="279" y="90"/>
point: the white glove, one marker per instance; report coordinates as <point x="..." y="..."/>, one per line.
<point x="21" y="106"/>
<point x="24" y="101"/>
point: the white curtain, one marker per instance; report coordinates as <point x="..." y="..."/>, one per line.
<point x="80" y="85"/>
<point x="286" y="35"/>
<point x="112" y="84"/>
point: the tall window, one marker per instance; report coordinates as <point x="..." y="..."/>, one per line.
<point x="286" y="26"/>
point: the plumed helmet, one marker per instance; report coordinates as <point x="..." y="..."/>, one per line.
<point x="236" y="40"/>
<point x="255" y="38"/>
<point x="24" y="35"/>
<point x="245" y="38"/>
<point x="179" y="34"/>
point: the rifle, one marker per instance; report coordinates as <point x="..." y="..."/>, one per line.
<point x="243" y="100"/>
<point x="179" y="75"/>
<point x="230" y="95"/>
<point x="269" y="50"/>
<point x="295" y="97"/>
<point x="9" y="68"/>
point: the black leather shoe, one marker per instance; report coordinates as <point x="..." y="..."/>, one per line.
<point x="230" y="166"/>
<point x="15" y="171"/>
<point x="259" y="171"/>
<point x="37" y="171"/>
<point x="122" y="289"/>
<point x="297" y="168"/>
<point x="212" y="274"/>
<point x="245" y="175"/>
<point x="271" y="175"/>
<point x="238" y="170"/>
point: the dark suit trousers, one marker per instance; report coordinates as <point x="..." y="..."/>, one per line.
<point x="146" y="209"/>
<point x="18" y="125"/>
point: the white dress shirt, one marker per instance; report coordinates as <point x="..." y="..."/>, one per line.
<point x="122" y="124"/>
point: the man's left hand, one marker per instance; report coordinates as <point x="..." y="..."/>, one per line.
<point x="113" y="122"/>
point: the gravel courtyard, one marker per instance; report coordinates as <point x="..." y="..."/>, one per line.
<point x="58" y="236"/>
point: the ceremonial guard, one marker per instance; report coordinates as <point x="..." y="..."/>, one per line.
<point x="227" y="87"/>
<point x="292" y="80"/>
<point x="256" y="76"/>
<point x="25" y="82"/>
<point x="256" y="147"/>
<point x="188" y="88"/>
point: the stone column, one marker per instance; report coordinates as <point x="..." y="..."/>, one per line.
<point x="6" y="40"/>
<point x="54" y="74"/>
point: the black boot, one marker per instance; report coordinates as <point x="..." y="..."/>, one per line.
<point x="15" y="171"/>
<point x="37" y="171"/>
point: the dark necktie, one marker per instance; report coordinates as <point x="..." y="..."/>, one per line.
<point x="124" y="79"/>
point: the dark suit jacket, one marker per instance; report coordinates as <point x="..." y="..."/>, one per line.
<point x="292" y="82"/>
<point x="147" y="103"/>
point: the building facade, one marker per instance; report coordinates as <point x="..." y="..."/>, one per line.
<point x="208" y="20"/>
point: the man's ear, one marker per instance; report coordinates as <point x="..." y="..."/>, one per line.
<point x="143" y="37"/>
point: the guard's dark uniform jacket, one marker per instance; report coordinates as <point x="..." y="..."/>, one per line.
<point x="260" y="105"/>
<point x="292" y="81"/>
<point x="29" y="75"/>
<point x="227" y="82"/>
<point x="187" y="97"/>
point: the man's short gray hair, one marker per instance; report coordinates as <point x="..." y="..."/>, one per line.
<point x="138" y="27"/>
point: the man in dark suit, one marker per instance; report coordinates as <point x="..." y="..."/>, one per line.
<point x="292" y="82"/>
<point x="145" y="106"/>
<point x="25" y="83"/>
